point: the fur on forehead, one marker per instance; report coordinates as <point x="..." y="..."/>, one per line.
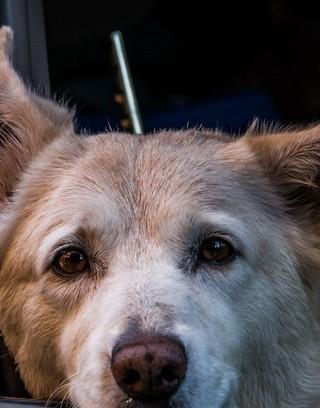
<point x="122" y="170"/>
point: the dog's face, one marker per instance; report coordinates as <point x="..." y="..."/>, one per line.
<point x="169" y="270"/>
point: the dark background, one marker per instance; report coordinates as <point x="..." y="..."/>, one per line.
<point x="215" y="63"/>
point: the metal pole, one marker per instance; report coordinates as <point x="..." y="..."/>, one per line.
<point x="128" y="96"/>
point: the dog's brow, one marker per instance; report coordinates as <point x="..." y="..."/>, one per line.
<point x="49" y="243"/>
<point x="229" y="225"/>
<point x="183" y="239"/>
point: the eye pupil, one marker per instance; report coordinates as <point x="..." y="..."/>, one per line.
<point x="70" y="262"/>
<point x="216" y="250"/>
<point x="74" y="257"/>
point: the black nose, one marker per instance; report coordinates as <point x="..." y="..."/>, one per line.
<point x="149" y="369"/>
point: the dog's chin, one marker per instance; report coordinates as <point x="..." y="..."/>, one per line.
<point x="130" y="403"/>
<point x="160" y="404"/>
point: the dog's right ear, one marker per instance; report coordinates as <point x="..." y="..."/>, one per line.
<point x="27" y="122"/>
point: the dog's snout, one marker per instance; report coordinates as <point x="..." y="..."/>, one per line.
<point x="149" y="369"/>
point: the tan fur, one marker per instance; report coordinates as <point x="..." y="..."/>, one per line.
<point x="251" y="329"/>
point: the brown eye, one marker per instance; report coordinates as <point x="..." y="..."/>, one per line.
<point x="216" y="250"/>
<point x="70" y="261"/>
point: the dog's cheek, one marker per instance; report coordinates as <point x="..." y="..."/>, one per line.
<point x="31" y="330"/>
<point x="213" y="336"/>
<point x="91" y="383"/>
<point x="83" y="349"/>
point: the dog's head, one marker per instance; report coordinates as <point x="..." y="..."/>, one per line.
<point x="168" y="270"/>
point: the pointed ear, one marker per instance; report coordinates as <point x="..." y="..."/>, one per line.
<point x="292" y="162"/>
<point x="27" y="122"/>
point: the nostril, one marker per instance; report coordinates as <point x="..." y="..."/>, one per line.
<point x="131" y="377"/>
<point x="168" y="374"/>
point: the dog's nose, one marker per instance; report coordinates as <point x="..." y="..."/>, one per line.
<point x="149" y="369"/>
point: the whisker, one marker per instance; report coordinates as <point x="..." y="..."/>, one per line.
<point x="67" y="394"/>
<point x="60" y="388"/>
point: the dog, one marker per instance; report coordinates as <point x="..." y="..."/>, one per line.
<point x="169" y="270"/>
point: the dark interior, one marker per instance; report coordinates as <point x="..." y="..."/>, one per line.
<point x="204" y="63"/>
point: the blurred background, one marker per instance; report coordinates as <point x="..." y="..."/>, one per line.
<point x="211" y="64"/>
<point x="214" y="63"/>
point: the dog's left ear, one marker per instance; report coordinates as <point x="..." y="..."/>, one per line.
<point x="292" y="161"/>
<point x="27" y="122"/>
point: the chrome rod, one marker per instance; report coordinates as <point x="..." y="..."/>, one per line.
<point x="128" y="97"/>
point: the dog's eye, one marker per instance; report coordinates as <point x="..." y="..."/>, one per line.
<point x="216" y="250"/>
<point x="70" y="261"/>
